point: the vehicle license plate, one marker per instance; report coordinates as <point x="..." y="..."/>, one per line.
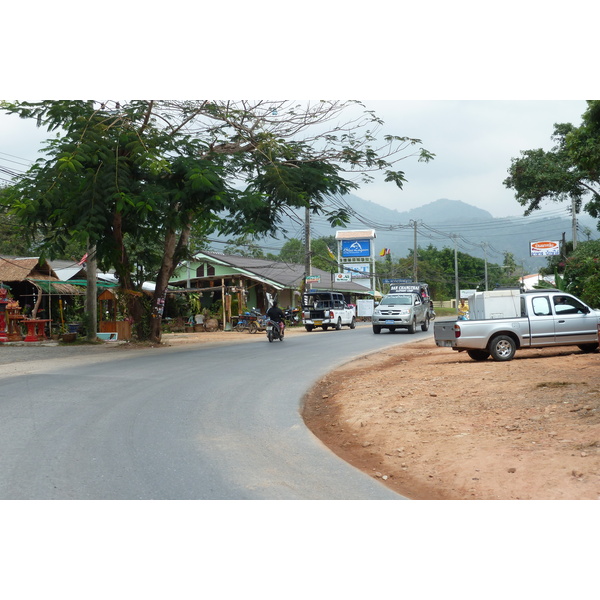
<point x="318" y="323"/>
<point x="390" y="321"/>
<point x="448" y="343"/>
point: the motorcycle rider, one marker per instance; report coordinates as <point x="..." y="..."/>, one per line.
<point x="276" y="314"/>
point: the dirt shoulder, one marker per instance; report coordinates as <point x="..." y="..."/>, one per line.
<point x="434" y="424"/>
<point x="429" y="422"/>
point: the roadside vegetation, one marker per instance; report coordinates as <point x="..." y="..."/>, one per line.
<point x="142" y="185"/>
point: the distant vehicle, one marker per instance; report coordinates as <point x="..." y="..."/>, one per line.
<point x="401" y="310"/>
<point x="326" y="309"/>
<point x="532" y="319"/>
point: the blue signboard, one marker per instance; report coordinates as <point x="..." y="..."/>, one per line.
<point x="356" y="248"/>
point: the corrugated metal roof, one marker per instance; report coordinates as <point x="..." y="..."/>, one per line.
<point x="278" y="274"/>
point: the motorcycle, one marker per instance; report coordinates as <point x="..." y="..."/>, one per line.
<point x="431" y="311"/>
<point x="292" y="315"/>
<point x="275" y="330"/>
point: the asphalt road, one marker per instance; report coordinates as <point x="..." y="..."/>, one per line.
<point x="189" y="422"/>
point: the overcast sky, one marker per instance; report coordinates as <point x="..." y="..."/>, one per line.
<point x="472" y="80"/>
<point x="473" y="141"/>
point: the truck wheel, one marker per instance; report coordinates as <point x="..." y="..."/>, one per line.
<point x="478" y="354"/>
<point x="353" y="323"/>
<point x="325" y="327"/>
<point x="425" y="324"/>
<point x="502" y="348"/>
<point x="588" y="347"/>
<point x="309" y="328"/>
<point x="376" y="328"/>
<point x="413" y="326"/>
<point x="338" y="325"/>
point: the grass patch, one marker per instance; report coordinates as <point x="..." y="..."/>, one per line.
<point x="558" y="384"/>
<point x="445" y="312"/>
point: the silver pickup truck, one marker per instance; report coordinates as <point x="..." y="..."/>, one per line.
<point x="403" y="310"/>
<point x="547" y="318"/>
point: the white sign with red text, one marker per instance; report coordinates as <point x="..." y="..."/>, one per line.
<point x="545" y="248"/>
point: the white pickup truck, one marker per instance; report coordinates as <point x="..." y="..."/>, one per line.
<point x="326" y="309"/>
<point x="541" y="318"/>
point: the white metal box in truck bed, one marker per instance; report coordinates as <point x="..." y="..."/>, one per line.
<point x="496" y="304"/>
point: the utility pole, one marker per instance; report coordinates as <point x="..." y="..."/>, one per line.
<point x="574" y="222"/>
<point x="456" y="288"/>
<point x="484" y="246"/>
<point x="415" y="264"/>
<point x="307" y="252"/>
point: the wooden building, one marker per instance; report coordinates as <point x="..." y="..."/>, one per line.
<point x="236" y="282"/>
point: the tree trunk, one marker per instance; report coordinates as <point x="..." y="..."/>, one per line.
<point x="91" y="297"/>
<point x="162" y="281"/>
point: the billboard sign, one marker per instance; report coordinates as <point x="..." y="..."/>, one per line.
<point x="545" y="248"/>
<point x="313" y="279"/>
<point x="356" y="248"/>
<point x="358" y="270"/>
<point x="342" y="277"/>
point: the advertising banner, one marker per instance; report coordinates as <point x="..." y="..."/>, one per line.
<point x="356" y="248"/>
<point x="358" y="270"/>
<point x="365" y="308"/>
<point x="545" y="248"/>
<point x="342" y="277"/>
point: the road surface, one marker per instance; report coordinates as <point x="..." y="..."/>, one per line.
<point x="189" y="422"/>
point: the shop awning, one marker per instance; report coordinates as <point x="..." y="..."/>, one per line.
<point x="71" y="287"/>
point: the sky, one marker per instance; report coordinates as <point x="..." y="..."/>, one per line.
<point x="477" y="82"/>
<point x="473" y="140"/>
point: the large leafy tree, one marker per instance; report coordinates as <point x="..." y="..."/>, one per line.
<point x="582" y="272"/>
<point x="570" y="171"/>
<point x="134" y="179"/>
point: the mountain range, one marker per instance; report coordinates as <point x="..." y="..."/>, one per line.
<point x="478" y="232"/>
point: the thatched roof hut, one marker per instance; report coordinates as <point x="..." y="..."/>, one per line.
<point x="28" y="279"/>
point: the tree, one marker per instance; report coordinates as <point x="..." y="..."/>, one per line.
<point x="134" y="179"/>
<point x="12" y="240"/>
<point x="292" y="252"/>
<point x="436" y="268"/>
<point x="582" y="272"/>
<point x="244" y="246"/>
<point x="570" y="171"/>
<point x="321" y="258"/>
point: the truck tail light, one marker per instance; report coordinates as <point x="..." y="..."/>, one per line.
<point x="456" y="330"/>
<point x="331" y="315"/>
